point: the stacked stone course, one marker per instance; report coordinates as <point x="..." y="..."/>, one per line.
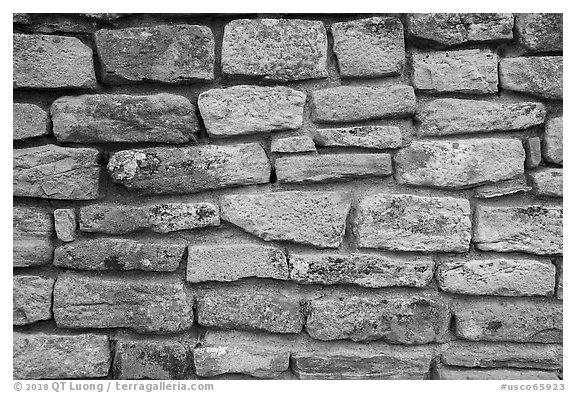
<point x="287" y="197"/>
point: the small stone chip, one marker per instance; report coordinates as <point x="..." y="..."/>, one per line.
<point x="552" y="144"/>
<point x="533" y="152"/>
<point x="65" y="224"/>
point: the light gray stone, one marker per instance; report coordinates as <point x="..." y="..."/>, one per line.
<point x="448" y="116"/>
<point x="552" y="144"/>
<point x="163" y="170"/>
<point x="539" y="76"/>
<point x="534" y="229"/>
<point x="470" y="71"/>
<point x="171" y="217"/>
<point x="293" y="144"/>
<point x="314" y="218"/>
<point x="546" y="182"/>
<point x="413" y="223"/>
<point x="533" y="152"/>
<point x="31" y="299"/>
<point x="241" y="110"/>
<point x="33" y="227"/>
<point x="369" y="47"/>
<point x="113" y="219"/>
<point x="163" y="118"/>
<point x="28" y="121"/>
<point x="540" y="32"/>
<point x="560" y="285"/>
<point x="453" y="373"/>
<point x="65" y="224"/>
<point x="371" y="137"/>
<point x="501" y="188"/>
<point x="460" y="163"/>
<point x="275" y="49"/>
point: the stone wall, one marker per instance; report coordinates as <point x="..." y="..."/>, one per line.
<point x="288" y="196"/>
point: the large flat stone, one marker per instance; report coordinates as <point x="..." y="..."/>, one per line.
<point x="31" y="299"/>
<point x="165" y="170"/>
<point x="539" y="76"/>
<point x="413" y="223"/>
<point x="371" y="137"/>
<point x="33" y="227"/>
<point x="28" y="121"/>
<point x="540" y="32"/>
<point x="314" y="218"/>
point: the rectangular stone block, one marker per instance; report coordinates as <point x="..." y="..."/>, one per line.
<point x="538" y="76"/>
<point x="552" y="144"/>
<point x="241" y="110"/>
<point x="359" y="103"/>
<point x="514" y="320"/>
<point x="162" y="118"/>
<point x="31" y="299"/>
<point x="168" y="54"/>
<point x="533" y="152"/>
<point x="60" y="355"/>
<point x="504" y="187"/>
<point x="33" y="227"/>
<point x="275" y="49"/>
<point x="235" y="261"/>
<point x="314" y="218"/>
<point x="293" y="144"/>
<point x="470" y="71"/>
<point x="546" y="182"/>
<point x="332" y="167"/>
<point x="540" y="32"/>
<point x="145" y="304"/>
<point x="448" y="116"/>
<point x="462" y="163"/>
<point x="370" y="137"/>
<point x="65" y="224"/>
<point x="370" y="47"/>
<point x="119" y="254"/>
<point x="167" y="170"/>
<point x="413" y="223"/>
<point x="534" y="229"/>
<point x="367" y="270"/>
<point x="397" y="319"/>
<point x="454" y="373"/>
<point x="55" y="172"/>
<point x="51" y="62"/>
<point x="29" y="121"/>
<point x="498" y="276"/>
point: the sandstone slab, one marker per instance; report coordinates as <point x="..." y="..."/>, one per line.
<point x="413" y="223"/>
<point x="552" y="144"/>
<point x="453" y="373"/>
<point x="370" y="137"/>
<point x="540" y="32"/>
<point x="31" y="299"/>
<point x="275" y="49"/>
<point x="547" y="182"/>
<point x="369" y="47"/>
<point x="539" y="76"/>
<point x="293" y="144"/>
<point x="164" y="170"/>
<point x="168" y="54"/>
<point x="28" y="121"/>
<point x="314" y="218"/>
<point x="65" y="224"/>
<point x="33" y="227"/>
<point x="241" y="110"/>
<point x="163" y="118"/>
<point x="55" y="172"/>
<point x="470" y="71"/>
<point x="460" y="163"/>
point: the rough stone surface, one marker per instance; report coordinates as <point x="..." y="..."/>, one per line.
<point x="458" y="28"/>
<point x="331" y="167"/>
<point x="145" y="357"/>
<point x="241" y="110"/>
<point x="413" y="223"/>
<point x="560" y="285"/>
<point x="314" y="218"/>
<point x="164" y="170"/>
<point x="168" y="54"/>
<point x="33" y="227"/>
<point x="494" y="354"/>
<point x="145" y="304"/>
<point x="369" y="47"/>
<point x="250" y="308"/>
<point x="236" y="261"/>
<point x="31" y="299"/>
<point x="367" y="270"/>
<point x="515" y="320"/>
<point x="470" y="71"/>
<point x="28" y="121"/>
<point x="546" y="182"/>
<point x="461" y="163"/>
<point x="164" y="118"/>
<point x="65" y="224"/>
<point x="161" y="217"/>
<point x="400" y="319"/>
<point x="358" y="103"/>
<point x="275" y="49"/>
<point x="119" y="254"/>
<point x="505" y="187"/>
<point x="293" y="144"/>
<point x="499" y="276"/>
<point x="533" y="152"/>
<point x="535" y="229"/>
<point x="51" y="62"/>
<point x="60" y="356"/>
<point x="453" y="373"/>
<point x="55" y="172"/>
<point x="540" y="32"/>
<point x="552" y="144"/>
<point x="539" y="76"/>
<point x="371" y="137"/>
<point x="448" y="116"/>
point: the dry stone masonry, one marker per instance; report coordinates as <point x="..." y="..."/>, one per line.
<point x="226" y="196"/>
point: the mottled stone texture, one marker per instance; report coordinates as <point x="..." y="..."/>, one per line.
<point x="33" y="227"/>
<point x="51" y="62"/>
<point x="32" y="299"/>
<point x="165" y="118"/>
<point x="168" y="54"/>
<point x="552" y="144"/>
<point x="275" y="49"/>
<point x="65" y="224"/>
<point x="539" y="76"/>
<point x="369" y="47"/>
<point x="533" y="152"/>
<point x="547" y="182"/>
<point x="28" y="121"/>
<point x="293" y="144"/>
<point x="540" y="32"/>
<point x="501" y="188"/>
<point x="371" y="137"/>
<point x="453" y="373"/>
